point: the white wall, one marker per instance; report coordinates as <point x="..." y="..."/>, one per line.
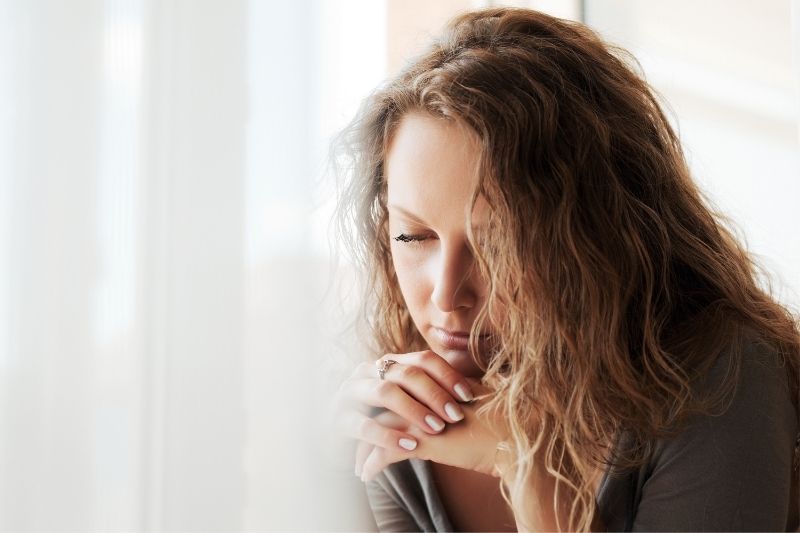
<point x="729" y="72"/>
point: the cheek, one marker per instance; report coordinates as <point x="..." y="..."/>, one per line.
<point x="410" y="270"/>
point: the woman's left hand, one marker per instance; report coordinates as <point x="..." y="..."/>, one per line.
<point x="470" y="443"/>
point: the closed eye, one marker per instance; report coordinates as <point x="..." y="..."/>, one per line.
<point x="410" y="238"/>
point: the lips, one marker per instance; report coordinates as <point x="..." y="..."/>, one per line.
<point x="453" y="340"/>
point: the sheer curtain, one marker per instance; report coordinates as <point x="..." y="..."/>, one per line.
<point x="164" y="260"/>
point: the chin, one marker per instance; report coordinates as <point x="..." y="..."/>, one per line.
<point x="461" y="361"/>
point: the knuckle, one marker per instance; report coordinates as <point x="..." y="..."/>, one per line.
<point x="439" y="398"/>
<point x="391" y="438"/>
<point x="452" y="376"/>
<point x="409" y="371"/>
<point x="427" y="356"/>
<point x="383" y="388"/>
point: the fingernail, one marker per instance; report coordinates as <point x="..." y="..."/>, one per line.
<point x="408" y="444"/>
<point x="453" y="411"/>
<point x="435" y="423"/>
<point x="463" y="392"/>
<point x="358" y="471"/>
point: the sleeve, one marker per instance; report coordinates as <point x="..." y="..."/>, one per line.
<point x="728" y="472"/>
<point x="389" y="514"/>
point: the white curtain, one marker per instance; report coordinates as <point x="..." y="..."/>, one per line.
<point x="165" y="347"/>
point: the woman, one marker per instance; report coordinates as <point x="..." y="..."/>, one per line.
<point x="564" y="335"/>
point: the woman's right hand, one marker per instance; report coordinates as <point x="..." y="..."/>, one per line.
<point x="422" y="388"/>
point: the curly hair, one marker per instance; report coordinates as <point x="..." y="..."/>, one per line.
<point x="620" y="284"/>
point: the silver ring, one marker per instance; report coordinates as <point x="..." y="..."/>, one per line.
<point x="386" y="364"/>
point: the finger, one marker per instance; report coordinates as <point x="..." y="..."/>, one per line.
<point x="435" y="366"/>
<point x="362" y="452"/>
<point x="376" y="461"/>
<point x="394" y="397"/>
<point x="416" y="380"/>
<point x="366" y="429"/>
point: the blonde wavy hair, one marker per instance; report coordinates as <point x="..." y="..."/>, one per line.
<point x="620" y="285"/>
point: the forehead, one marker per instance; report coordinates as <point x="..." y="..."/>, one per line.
<point x="431" y="168"/>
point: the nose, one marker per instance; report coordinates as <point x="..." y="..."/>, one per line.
<point x="453" y="286"/>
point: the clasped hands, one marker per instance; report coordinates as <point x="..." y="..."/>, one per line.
<point x="430" y="414"/>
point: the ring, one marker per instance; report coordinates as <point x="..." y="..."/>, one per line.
<point x="386" y="364"/>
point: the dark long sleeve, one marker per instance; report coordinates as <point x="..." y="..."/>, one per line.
<point x="731" y="472"/>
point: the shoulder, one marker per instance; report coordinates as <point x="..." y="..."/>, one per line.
<point x="730" y="469"/>
<point x="755" y="414"/>
<point x="751" y="380"/>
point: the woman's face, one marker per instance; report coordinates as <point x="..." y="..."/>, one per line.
<point x="430" y="171"/>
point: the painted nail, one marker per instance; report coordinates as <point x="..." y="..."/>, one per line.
<point x="408" y="444"/>
<point x="453" y="411"/>
<point x="463" y="392"/>
<point x="435" y="423"/>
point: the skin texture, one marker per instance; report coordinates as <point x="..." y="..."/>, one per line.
<point x="430" y="174"/>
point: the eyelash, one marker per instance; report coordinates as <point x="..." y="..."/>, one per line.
<point x="415" y="239"/>
<point x="411" y="239"/>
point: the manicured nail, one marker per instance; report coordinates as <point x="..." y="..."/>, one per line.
<point x="408" y="444"/>
<point x="463" y="392"/>
<point x="358" y="471"/>
<point x="453" y="411"/>
<point x="435" y="423"/>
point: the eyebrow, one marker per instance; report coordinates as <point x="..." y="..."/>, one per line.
<point x="407" y="213"/>
<point x="412" y="216"/>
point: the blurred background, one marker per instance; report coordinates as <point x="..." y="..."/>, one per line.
<point x="169" y="338"/>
